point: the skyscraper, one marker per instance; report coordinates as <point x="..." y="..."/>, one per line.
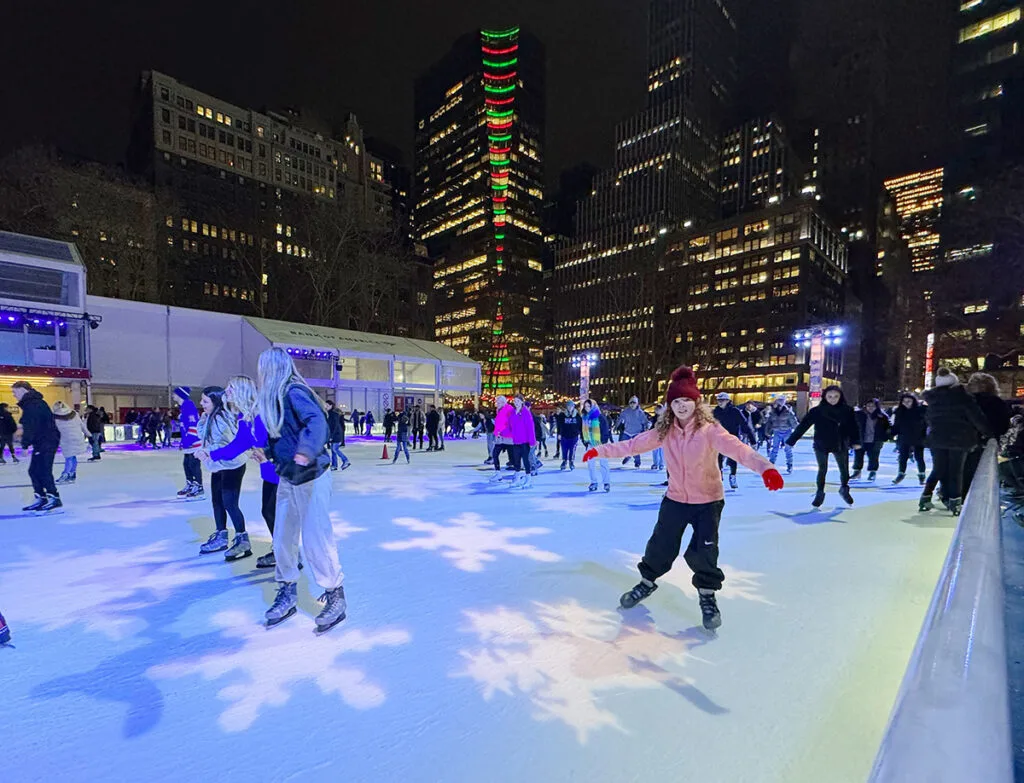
<point x="759" y="166"/>
<point x="479" y="196"/>
<point x="918" y="198"/>
<point x="666" y="172"/>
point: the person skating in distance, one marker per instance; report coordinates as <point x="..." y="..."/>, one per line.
<point x="835" y="431"/>
<point x="692" y="441"/>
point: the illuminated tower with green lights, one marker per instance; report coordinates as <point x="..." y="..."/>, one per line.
<point x="479" y="191"/>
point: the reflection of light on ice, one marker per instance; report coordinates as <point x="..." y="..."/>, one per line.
<point x="568" y="657"/>
<point x="278" y="659"/>
<point x="469" y="540"/>
<point x="342" y="528"/>
<point x="58" y="589"/>
<point x="580" y="506"/>
<point x="745" y="585"/>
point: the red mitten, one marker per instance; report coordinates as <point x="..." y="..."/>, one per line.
<point x="591" y="453"/>
<point x="772" y="479"/>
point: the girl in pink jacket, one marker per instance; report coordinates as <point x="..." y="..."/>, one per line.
<point x="519" y="430"/>
<point x="692" y="441"/>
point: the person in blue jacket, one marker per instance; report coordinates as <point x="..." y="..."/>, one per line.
<point x="188" y="420"/>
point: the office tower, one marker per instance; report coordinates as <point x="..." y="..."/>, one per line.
<point x="918" y="199"/>
<point x="478" y="201"/>
<point x="666" y="171"/>
<point x="759" y="166"/>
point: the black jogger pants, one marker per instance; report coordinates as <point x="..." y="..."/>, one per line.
<point x="702" y="553"/>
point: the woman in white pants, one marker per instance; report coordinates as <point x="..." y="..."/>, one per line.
<point x="297" y="434"/>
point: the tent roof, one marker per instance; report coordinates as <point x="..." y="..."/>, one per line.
<point x="345" y="340"/>
<point x="40" y="248"/>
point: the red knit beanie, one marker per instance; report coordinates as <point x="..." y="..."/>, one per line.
<point x="683" y="383"/>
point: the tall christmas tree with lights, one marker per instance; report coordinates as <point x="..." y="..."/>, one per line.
<point x="499" y="49"/>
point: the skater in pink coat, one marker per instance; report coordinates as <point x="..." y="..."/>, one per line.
<point x="692" y="441"/>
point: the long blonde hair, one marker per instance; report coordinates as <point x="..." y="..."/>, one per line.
<point x="277" y="374"/>
<point x="702" y="416"/>
<point x="243" y="396"/>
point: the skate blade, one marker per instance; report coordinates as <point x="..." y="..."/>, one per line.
<point x="238" y="557"/>
<point x="212" y="551"/>
<point x="273" y="623"/>
<point x="266" y="566"/>
<point x="322" y="629"/>
<point x="50" y="513"/>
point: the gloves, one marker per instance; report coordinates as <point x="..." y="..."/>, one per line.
<point x="772" y="479"/>
<point x="591" y="453"/>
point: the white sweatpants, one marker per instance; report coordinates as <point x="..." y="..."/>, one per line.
<point x="304" y="510"/>
<point x="593" y="465"/>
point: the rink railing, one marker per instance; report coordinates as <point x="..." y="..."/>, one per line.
<point x="951" y="721"/>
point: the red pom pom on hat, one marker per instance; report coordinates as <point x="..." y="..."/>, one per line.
<point x="683" y="383"/>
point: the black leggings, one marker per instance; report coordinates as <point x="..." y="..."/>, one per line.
<point x="905" y="454"/>
<point x="869" y="450"/>
<point x="722" y="459"/>
<point x="842" y="460"/>
<point x="8" y="441"/>
<point x="702" y="553"/>
<point x="269" y="507"/>
<point x="521" y="456"/>
<point x="947" y="467"/>
<point x="193" y="469"/>
<point x="226" y="487"/>
<point x="432" y="436"/>
<point x="417" y="438"/>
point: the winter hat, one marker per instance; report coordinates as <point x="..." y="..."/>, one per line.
<point x="781" y="398"/>
<point x="60" y="409"/>
<point x="682" y="383"/>
<point x="184" y="392"/>
<point x="946" y="377"/>
<point x="722" y="396"/>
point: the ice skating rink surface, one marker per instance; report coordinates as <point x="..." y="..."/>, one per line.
<point x="483" y="642"/>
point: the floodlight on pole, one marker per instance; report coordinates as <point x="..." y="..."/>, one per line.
<point x="583" y="362"/>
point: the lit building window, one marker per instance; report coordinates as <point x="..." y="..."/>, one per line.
<point x="990" y="25"/>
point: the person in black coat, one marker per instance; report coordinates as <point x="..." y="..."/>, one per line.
<point x="416" y="423"/>
<point x="433" y="424"/>
<point x="8" y="426"/>
<point x="336" y="436"/>
<point x="39" y="433"/>
<point x="909" y="429"/>
<point x="389" y="424"/>
<point x="569" y="429"/>
<point x="873" y="425"/>
<point x="730" y="417"/>
<point x="835" y="431"/>
<point x="955" y="426"/>
<point x="997" y="413"/>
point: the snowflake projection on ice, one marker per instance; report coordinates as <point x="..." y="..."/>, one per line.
<point x="127" y="512"/>
<point x="402" y="488"/>
<point x="744" y="585"/>
<point x="342" y="527"/>
<point x="273" y="662"/>
<point x="570" y="656"/>
<point x="106" y="591"/>
<point x="470" y="541"/>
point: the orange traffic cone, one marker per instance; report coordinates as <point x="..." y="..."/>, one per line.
<point x="385" y="454"/>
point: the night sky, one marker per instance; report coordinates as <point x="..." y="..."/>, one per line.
<point x="70" y="69"/>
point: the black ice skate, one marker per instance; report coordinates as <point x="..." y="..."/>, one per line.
<point x="871" y="475"/>
<point x="844" y="493"/>
<point x="732" y="482"/>
<point x="925" y="504"/>
<point x="636" y="595"/>
<point x="855" y="475"/>
<point x="37" y="504"/>
<point x="819" y="498"/>
<point x="955" y="506"/>
<point x="53" y="505"/>
<point x="607" y="487"/>
<point x="899" y="478"/>
<point x="592" y="487"/>
<point x="709" y="608"/>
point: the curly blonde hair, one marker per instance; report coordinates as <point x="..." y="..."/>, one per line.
<point x="702" y="416"/>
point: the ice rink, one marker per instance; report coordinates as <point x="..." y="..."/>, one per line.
<point x="483" y="640"/>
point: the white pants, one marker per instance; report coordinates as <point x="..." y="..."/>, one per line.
<point x="304" y="511"/>
<point x="605" y="475"/>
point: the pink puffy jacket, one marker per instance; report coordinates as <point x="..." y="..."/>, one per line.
<point x="518" y="426"/>
<point x="691" y="456"/>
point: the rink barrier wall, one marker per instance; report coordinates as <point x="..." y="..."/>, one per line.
<point x="951" y="720"/>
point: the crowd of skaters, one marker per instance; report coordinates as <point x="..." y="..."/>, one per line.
<point x="297" y="439"/>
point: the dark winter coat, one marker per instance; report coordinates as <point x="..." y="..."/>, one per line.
<point x="335" y="427"/>
<point x="779" y="417"/>
<point x="910" y="427"/>
<point x="93" y="423"/>
<point x="8" y="426"/>
<point x="881" y="434"/>
<point x="734" y="422"/>
<point x="835" y="427"/>
<point x="304" y="431"/>
<point x="389" y="420"/>
<point x="416" y="420"/>
<point x="997" y="412"/>
<point x="954" y="419"/>
<point x="38" y="428"/>
<point x="753" y="419"/>
<point x="569" y="424"/>
<point x="433" y="421"/>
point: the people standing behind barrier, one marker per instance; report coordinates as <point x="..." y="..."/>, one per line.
<point x="835" y="431"/>
<point x="985" y="389"/>
<point x="73" y="436"/>
<point x="956" y="425"/>
<point x="632" y="422"/>
<point x="8" y="426"/>
<point x="874" y="431"/>
<point x="779" y="423"/>
<point x="910" y="428"/>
